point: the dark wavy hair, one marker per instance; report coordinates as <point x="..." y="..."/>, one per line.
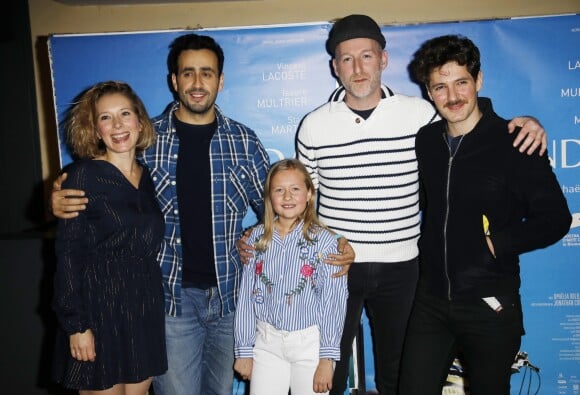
<point x="438" y="51"/>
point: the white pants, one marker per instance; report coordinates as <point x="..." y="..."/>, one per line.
<point x="284" y="360"/>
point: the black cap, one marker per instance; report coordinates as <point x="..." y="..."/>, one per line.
<point x="353" y="26"/>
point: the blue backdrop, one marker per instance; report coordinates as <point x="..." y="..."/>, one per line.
<point x="274" y="75"/>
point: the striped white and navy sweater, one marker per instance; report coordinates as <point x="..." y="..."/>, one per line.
<point x="366" y="172"/>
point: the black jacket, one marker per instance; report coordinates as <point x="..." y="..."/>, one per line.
<point x="519" y="194"/>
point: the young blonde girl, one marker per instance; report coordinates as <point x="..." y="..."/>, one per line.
<point x="290" y="311"/>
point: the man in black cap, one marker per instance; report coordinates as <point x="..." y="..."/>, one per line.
<point x="360" y="150"/>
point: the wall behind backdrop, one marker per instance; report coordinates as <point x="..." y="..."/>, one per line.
<point x="73" y="16"/>
<point x="275" y="74"/>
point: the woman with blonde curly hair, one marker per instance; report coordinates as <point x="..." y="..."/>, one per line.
<point x="108" y="291"/>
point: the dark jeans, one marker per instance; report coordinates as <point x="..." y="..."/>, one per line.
<point x="386" y="290"/>
<point x="440" y="329"/>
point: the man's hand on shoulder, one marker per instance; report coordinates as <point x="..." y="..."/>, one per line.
<point x="344" y="258"/>
<point x="66" y="203"/>
<point x="245" y="250"/>
<point x="531" y="135"/>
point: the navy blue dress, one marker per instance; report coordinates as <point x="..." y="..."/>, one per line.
<point x="108" y="280"/>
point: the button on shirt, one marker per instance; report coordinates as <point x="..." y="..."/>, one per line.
<point x="239" y="165"/>
<point x="289" y="287"/>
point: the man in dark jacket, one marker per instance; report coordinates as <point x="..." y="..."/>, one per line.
<point x="484" y="204"/>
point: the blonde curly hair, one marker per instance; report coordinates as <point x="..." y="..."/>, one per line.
<point x="81" y="121"/>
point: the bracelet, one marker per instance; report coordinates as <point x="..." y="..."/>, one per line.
<point x="338" y="236"/>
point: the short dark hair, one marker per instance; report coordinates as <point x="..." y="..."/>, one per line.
<point x="440" y="50"/>
<point x="195" y="42"/>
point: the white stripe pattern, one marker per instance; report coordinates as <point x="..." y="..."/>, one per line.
<point x="366" y="173"/>
<point x="321" y="301"/>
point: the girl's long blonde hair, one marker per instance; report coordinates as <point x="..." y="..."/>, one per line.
<point x="311" y="223"/>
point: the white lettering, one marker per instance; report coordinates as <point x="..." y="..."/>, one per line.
<point x="290" y="66"/>
<point x="282" y="102"/>
<point x="569" y="92"/>
<point x="572" y="65"/>
<point x="571" y="188"/>
<point x="297" y="92"/>
<point x="564" y="145"/>
<point x="569" y="148"/>
<point x="293" y="120"/>
<point x="283" y="129"/>
<point x="284" y="75"/>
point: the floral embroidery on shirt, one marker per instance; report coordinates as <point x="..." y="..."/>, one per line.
<point x="307" y="269"/>
<point x="263" y="278"/>
<point x="258" y="296"/>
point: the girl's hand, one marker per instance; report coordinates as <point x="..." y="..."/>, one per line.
<point x="323" y="376"/>
<point x="82" y="346"/>
<point x="244" y="367"/>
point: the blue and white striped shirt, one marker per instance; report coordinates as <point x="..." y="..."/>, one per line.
<point x="290" y="287"/>
<point x="239" y="165"/>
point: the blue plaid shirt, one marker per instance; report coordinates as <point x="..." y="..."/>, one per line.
<point x="239" y="165"/>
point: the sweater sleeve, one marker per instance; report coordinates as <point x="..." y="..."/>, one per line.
<point x="71" y="249"/>
<point x="333" y="296"/>
<point x="306" y="150"/>
<point x="260" y="167"/>
<point x="245" y="317"/>
<point x="546" y="215"/>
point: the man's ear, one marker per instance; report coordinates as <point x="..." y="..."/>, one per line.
<point x="334" y="66"/>
<point x="174" y="82"/>
<point x="384" y="60"/>
<point x="428" y="92"/>
<point x="221" y="83"/>
<point x="479" y="81"/>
